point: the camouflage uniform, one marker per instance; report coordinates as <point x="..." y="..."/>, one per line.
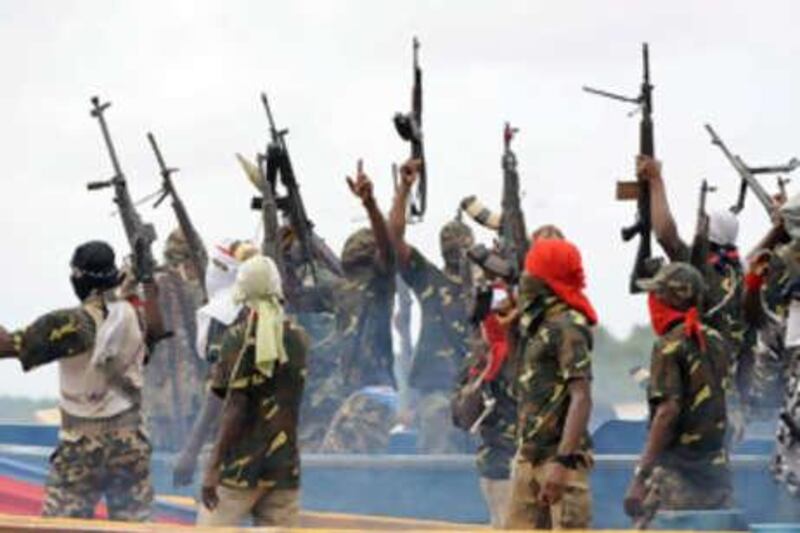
<point x="445" y="299"/>
<point x="264" y="464"/>
<point x="777" y="372"/>
<point x="498" y="438"/>
<point x="363" y="302"/>
<point x="693" y="472"/>
<point x="174" y="374"/>
<point x="95" y="458"/>
<point x="554" y="349"/>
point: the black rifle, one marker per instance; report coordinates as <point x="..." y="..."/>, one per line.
<point x="276" y="165"/>
<point x="197" y="249"/>
<point x="645" y="265"/>
<point x="748" y="175"/>
<point x="140" y="235"/>
<point x="700" y="246"/>
<point x="409" y="127"/>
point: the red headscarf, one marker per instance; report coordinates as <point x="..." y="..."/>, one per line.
<point x="662" y="316"/>
<point x="558" y="263"/>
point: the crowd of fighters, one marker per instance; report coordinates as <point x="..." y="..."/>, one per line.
<point x="249" y="379"/>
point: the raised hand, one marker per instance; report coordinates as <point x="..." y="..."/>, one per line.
<point x="361" y="185"/>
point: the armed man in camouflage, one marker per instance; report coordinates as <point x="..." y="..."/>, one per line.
<point x="363" y="302"/>
<point x="445" y="297"/>
<point x="723" y="274"/>
<point x="174" y="375"/>
<point x="550" y="474"/>
<point x="684" y="464"/>
<point x="100" y="346"/>
<point x="255" y="467"/>
<point x="772" y="298"/>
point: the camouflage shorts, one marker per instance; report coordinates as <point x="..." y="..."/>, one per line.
<point x="363" y="423"/>
<point x="115" y="465"/>
<point x="669" y="490"/>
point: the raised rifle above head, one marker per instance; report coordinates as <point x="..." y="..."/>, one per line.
<point x="409" y="128"/>
<point x="748" y="175"/>
<point x="645" y="265"/>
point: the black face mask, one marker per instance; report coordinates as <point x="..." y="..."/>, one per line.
<point x="82" y="287"/>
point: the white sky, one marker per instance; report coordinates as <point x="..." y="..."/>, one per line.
<point x="336" y="72"/>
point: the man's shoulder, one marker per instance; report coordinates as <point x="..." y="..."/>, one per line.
<point x="296" y="340"/>
<point x="56" y="334"/>
<point x="570" y="323"/>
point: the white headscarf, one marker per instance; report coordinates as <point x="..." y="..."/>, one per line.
<point x="723" y="228"/>
<point x="220" y="277"/>
<point x="258" y="286"/>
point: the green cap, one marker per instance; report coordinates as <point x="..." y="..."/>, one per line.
<point x="679" y="285"/>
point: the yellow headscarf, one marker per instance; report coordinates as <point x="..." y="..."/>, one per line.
<point x="258" y="286"/>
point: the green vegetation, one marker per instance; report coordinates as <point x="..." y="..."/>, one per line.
<point x="612" y="361"/>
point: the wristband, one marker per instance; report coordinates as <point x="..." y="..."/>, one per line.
<point x="753" y="282"/>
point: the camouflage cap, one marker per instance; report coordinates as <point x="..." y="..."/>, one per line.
<point x="359" y="247"/>
<point x="679" y="285"/>
<point x="176" y="249"/>
<point x="455" y="234"/>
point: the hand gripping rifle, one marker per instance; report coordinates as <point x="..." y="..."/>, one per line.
<point x="748" y="175"/>
<point x="700" y="246"/>
<point x="645" y="265"/>
<point x="409" y="127"/>
<point x="275" y="164"/>
<point x="197" y="250"/>
<point x="140" y="235"/>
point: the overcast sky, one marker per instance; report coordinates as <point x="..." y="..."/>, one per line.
<point x="336" y="72"/>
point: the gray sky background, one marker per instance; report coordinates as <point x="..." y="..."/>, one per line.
<point x="336" y="72"/>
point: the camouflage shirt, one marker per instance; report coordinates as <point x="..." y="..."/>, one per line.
<point x="697" y="380"/>
<point x="554" y="349"/>
<point x="267" y="454"/>
<point x="363" y="305"/>
<point x="443" y="342"/>
<point x="55" y="335"/>
<point x="498" y="431"/>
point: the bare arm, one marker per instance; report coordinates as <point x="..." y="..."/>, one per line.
<point x="7" y="348"/>
<point x="661" y="217"/>
<point x="154" y="321"/>
<point x="187" y="459"/>
<point x="233" y="420"/>
<point x="660" y="434"/>
<point x="362" y="188"/>
<point x="397" y="216"/>
<point x="580" y="408"/>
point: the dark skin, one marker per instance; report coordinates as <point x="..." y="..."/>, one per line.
<point x="580" y="408"/>
<point x="397" y="216"/>
<point x="649" y="170"/>
<point x="185" y="465"/>
<point x="658" y="438"/>
<point x="6" y="344"/>
<point x="361" y="187"/>
<point x="234" y="418"/>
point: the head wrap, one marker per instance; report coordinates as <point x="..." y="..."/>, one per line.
<point x="359" y="247"/>
<point x="790" y="213"/>
<point x="258" y="286"/>
<point x="558" y="263"/>
<point x="176" y="249"/>
<point x="455" y="235"/>
<point x="94" y="269"/>
<point x="723" y="228"/>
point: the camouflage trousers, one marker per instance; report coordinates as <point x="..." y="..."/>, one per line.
<point x="786" y="464"/>
<point x="671" y="490"/>
<point x="114" y="465"/>
<point x="573" y="511"/>
<point x="437" y="434"/>
<point x="363" y="423"/>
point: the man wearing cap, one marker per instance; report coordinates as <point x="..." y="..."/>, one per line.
<point x="772" y="302"/>
<point x="550" y="473"/>
<point x="684" y="464"/>
<point x="174" y="374"/>
<point x="100" y="346"/>
<point x="445" y="296"/>
<point x="723" y="274"/>
<point x="254" y="469"/>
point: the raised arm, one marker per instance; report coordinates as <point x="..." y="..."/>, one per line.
<point x="397" y="217"/>
<point x="361" y="187"/>
<point x="7" y="348"/>
<point x="649" y="169"/>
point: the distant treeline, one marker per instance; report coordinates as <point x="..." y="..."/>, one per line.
<point x="15" y="409"/>
<point x="612" y="361"/>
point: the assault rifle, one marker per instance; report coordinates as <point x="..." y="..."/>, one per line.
<point x="700" y="246"/>
<point x="409" y="127"/>
<point x="748" y="175"/>
<point x="140" y="235"/>
<point x="197" y="249"/>
<point x="645" y="265"/>
<point x="275" y="165"/>
<point x="507" y="261"/>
